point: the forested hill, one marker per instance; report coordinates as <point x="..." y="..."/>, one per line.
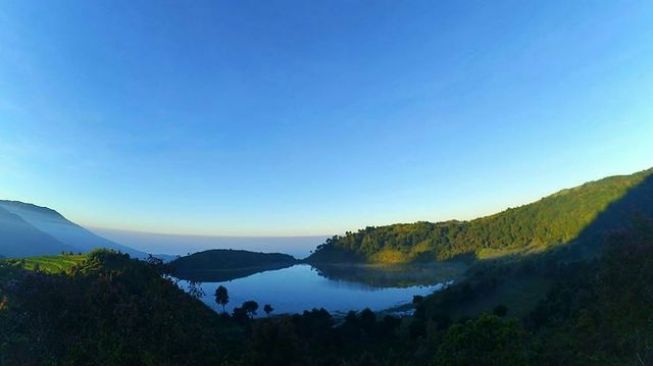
<point x="567" y="216"/>
<point x="104" y="308"/>
<point x="216" y="262"/>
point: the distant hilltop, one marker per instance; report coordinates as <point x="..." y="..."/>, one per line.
<point x="226" y="264"/>
<point x="30" y="230"/>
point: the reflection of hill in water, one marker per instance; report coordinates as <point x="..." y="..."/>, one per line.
<point x="393" y="276"/>
<point x="221" y="275"/>
<point x="373" y="276"/>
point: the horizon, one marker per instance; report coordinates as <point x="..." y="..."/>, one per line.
<point x="299" y="246"/>
<point x="287" y="120"/>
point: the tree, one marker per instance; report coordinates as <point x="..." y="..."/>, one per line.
<point x="500" y="310"/>
<point x="195" y="289"/>
<point x="240" y="315"/>
<point x="268" y="309"/>
<point x="485" y="341"/>
<point x="367" y="320"/>
<point x="250" y="307"/>
<point x="222" y="297"/>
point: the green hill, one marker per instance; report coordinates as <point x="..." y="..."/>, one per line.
<point x="106" y="309"/>
<point x="568" y="216"/>
<point x="227" y="264"/>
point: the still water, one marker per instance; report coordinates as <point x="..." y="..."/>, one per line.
<point x="303" y="287"/>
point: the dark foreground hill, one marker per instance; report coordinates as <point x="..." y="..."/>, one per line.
<point x="580" y="214"/>
<point x="105" y="310"/>
<point x="552" y="307"/>
<point x="30" y="230"/>
<point x="226" y="264"/>
<point x="111" y="310"/>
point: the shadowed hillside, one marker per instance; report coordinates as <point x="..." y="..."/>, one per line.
<point x="18" y="238"/>
<point x="30" y="230"/>
<point x="520" y="282"/>
<point x="553" y="307"/>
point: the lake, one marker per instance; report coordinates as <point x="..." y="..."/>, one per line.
<point x="338" y="289"/>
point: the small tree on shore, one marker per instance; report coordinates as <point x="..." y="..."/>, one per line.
<point x="222" y="297"/>
<point x="250" y="307"/>
<point x="268" y="309"/>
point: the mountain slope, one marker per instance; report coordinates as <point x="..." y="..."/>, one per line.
<point x="554" y="220"/>
<point x="33" y="230"/>
<point x="18" y="238"/>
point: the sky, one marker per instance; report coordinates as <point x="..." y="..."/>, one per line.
<point x="296" y="118"/>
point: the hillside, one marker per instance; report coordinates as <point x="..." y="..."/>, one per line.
<point x="573" y="215"/>
<point x="105" y="309"/>
<point x="48" y="264"/>
<point x="225" y="264"/>
<point x="547" y="309"/>
<point x="18" y="238"/>
<point x="30" y="230"/>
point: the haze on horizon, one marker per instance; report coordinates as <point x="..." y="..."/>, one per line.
<point x="286" y="118"/>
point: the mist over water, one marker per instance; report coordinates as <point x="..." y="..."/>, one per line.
<point x="302" y="287"/>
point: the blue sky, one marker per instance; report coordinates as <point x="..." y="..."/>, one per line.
<point x="306" y="118"/>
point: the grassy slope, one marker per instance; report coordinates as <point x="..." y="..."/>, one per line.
<point x="48" y="264"/>
<point x="532" y="228"/>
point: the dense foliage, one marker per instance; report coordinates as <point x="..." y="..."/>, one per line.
<point x="602" y="312"/>
<point x="557" y="219"/>
<point x="108" y="310"/>
<point x="557" y="307"/>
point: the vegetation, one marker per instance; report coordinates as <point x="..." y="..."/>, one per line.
<point x="106" y="310"/>
<point x="268" y="309"/>
<point x="222" y="297"/>
<point x="111" y="310"/>
<point x="383" y="276"/>
<point x="49" y="264"/>
<point x="226" y="264"/>
<point x="567" y="216"/>
<point x="558" y="307"/>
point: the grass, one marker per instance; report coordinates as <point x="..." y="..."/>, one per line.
<point x="48" y="264"/>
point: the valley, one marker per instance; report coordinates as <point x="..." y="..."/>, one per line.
<point x="410" y="294"/>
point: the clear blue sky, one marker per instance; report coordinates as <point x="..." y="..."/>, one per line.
<point x="315" y="117"/>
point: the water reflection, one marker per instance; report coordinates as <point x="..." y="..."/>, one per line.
<point x="335" y="288"/>
<point x="377" y="276"/>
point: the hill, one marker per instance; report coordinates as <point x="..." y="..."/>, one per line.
<point x="226" y="264"/>
<point x="549" y="308"/>
<point x="30" y="230"/>
<point x="18" y="238"/>
<point x="106" y="309"/>
<point x="571" y="215"/>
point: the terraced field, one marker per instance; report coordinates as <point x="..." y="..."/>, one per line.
<point x="48" y="264"/>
